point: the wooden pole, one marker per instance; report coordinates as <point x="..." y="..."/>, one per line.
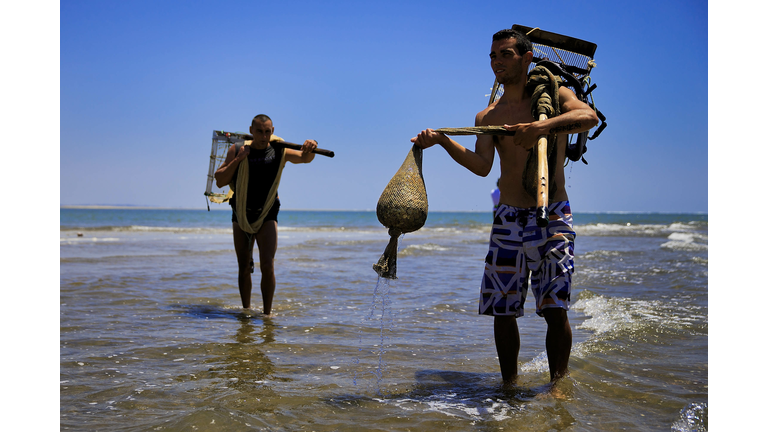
<point x="293" y="146"/>
<point x="542" y="172"/>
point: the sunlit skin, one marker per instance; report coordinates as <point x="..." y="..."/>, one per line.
<point x="266" y="237"/>
<point x="513" y="111"/>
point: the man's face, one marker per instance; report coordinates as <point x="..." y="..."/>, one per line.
<point x="507" y="64"/>
<point x="262" y="132"/>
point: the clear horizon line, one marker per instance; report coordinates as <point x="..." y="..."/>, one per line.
<point x="146" y="207"/>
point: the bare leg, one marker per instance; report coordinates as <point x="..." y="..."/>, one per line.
<point x="266" y="239"/>
<point x="507" y="345"/>
<point x="559" y="340"/>
<point x="244" y="251"/>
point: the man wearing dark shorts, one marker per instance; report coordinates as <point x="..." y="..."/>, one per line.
<point x="261" y="206"/>
<point x="518" y="248"/>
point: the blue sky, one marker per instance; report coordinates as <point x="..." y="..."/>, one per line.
<point x="144" y="83"/>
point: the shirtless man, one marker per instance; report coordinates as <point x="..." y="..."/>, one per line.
<point x="264" y="161"/>
<point x="518" y="247"/>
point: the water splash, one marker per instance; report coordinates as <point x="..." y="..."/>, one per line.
<point x="381" y="303"/>
<point x="693" y="418"/>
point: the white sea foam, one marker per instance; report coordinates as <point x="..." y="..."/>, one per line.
<point x="462" y="229"/>
<point x="644" y="230"/>
<point x="686" y="241"/>
<point x="422" y="248"/>
<point x="603" y="229"/>
<point x="680" y="226"/>
<point x="692" y="418"/>
<point x="81" y="240"/>
<point x="612" y="315"/>
<point x="189" y="230"/>
<point x="452" y="405"/>
<point x="538" y="364"/>
<point x="684" y="237"/>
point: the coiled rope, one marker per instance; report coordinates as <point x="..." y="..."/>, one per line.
<point x="543" y="86"/>
<point x="240" y="188"/>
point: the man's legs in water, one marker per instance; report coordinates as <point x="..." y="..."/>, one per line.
<point x="559" y="340"/>
<point x="507" y="338"/>
<point x="244" y="252"/>
<point x="266" y="240"/>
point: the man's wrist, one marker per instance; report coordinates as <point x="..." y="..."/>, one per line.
<point x="444" y="140"/>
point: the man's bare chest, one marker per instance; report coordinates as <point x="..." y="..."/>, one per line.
<point x="510" y="115"/>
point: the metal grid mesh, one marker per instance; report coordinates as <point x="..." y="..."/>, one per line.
<point x="219" y="147"/>
<point x="577" y="64"/>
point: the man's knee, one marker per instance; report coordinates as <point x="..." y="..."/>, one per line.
<point x="555" y="316"/>
<point x="267" y="266"/>
<point x="244" y="270"/>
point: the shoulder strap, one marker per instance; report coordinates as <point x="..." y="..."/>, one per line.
<point x="233" y="183"/>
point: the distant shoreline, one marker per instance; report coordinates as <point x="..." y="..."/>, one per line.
<point x="216" y="208"/>
<point x="117" y="207"/>
<point x="226" y="208"/>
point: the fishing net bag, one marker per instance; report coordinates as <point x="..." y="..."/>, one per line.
<point x="402" y="208"/>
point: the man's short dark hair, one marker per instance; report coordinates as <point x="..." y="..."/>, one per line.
<point x="262" y="118"/>
<point x="523" y="44"/>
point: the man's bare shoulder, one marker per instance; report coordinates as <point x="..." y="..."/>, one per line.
<point x="482" y="118"/>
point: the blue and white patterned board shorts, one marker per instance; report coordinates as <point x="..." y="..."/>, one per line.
<point x="519" y="249"/>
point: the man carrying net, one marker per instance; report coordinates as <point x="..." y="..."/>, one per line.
<point x="253" y="172"/>
<point x="520" y="249"/>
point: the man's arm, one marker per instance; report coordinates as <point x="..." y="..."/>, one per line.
<point x="303" y="156"/>
<point x="479" y="161"/>
<point x="575" y="116"/>
<point x="224" y="174"/>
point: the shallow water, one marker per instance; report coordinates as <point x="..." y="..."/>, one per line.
<point x="153" y="338"/>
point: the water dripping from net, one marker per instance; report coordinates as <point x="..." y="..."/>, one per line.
<point x="381" y="311"/>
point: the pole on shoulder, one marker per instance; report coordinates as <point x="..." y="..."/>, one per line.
<point x="542" y="171"/>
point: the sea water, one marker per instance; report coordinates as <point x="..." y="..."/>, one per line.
<point x="153" y="336"/>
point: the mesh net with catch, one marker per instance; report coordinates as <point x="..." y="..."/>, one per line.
<point x="402" y="208"/>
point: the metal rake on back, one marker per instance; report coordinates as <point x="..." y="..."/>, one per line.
<point x="572" y="59"/>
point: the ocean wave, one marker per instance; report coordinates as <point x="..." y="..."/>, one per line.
<point x="687" y="226"/>
<point x="625" y="315"/>
<point x="459" y="406"/>
<point x="82" y="240"/>
<point x="601" y="254"/>
<point x="540" y="363"/>
<point x="479" y="230"/>
<point x="342" y="229"/>
<point x="146" y="228"/>
<point x="639" y="230"/>
<point x="686" y="241"/>
<point x="133" y="255"/>
<point x="694" y="417"/>
<point x="422" y="249"/>
<point x="458" y="229"/>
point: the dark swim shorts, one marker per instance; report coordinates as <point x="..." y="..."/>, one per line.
<point x="520" y="249"/>
<point x="272" y="215"/>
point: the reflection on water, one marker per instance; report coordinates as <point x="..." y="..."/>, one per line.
<point x="242" y="361"/>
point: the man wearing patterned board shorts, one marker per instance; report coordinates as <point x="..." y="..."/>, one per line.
<point x="519" y="249"/>
<point x="511" y="55"/>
